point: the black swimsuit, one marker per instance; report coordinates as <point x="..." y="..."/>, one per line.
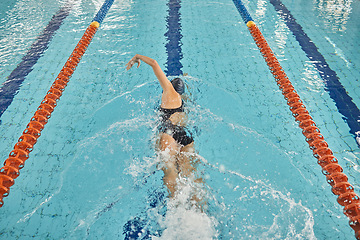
<point x="179" y="133"/>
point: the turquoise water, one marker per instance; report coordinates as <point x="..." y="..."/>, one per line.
<point x="93" y="172"/>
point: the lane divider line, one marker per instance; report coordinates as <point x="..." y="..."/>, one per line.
<point x="333" y="86"/>
<point x="321" y="151"/>
<point x="173" y="36"/>
<point x="30" y="135"/>
<point x="9" y="89"/>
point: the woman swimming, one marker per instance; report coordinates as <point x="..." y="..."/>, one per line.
<point x="176" y="145"/>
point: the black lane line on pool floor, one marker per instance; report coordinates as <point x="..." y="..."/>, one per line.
<point x="173" y="36"/>
<point x="333" y="86"/>
<point x="10" y="88"/>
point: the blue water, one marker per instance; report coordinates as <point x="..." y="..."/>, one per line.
<point x="93" y="173"/>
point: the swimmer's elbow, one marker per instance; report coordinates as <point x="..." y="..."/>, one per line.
<point x="153" y="63"/>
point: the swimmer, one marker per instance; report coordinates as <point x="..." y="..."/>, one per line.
<point x="175" y="142"/>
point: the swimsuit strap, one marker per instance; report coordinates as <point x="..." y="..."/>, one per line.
<point x="173" y="110"/>
<point x="167" y="112"/>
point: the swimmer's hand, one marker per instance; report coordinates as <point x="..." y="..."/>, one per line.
<point x="132" y="62"/>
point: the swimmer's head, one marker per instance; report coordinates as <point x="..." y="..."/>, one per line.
<point x="178" y="85"/>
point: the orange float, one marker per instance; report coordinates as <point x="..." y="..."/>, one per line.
<point x="28" y="139"/>
<point x="329" y="164"/>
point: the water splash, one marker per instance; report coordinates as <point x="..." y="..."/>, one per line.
<point x="184" y="218"/>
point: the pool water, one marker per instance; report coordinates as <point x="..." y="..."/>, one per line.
<point x="94" y="172"/>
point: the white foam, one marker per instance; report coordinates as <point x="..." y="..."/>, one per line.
<point x="181" y="223"/>
<point x="185" y="218"/>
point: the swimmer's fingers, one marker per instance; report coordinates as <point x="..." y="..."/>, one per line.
<point x="129" y="64"/>
<point x="132" y="62"/>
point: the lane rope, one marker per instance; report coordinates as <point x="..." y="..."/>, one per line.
<point x="332" y="84"/>
<point x="321" y="151"/>
<point x="17" y="157"/>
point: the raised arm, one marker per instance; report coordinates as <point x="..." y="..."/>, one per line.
<point x="170" y="98"/>
<point x="164" y="82"/>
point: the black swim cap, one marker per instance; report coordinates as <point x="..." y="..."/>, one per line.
<point x="178" y="85"/>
